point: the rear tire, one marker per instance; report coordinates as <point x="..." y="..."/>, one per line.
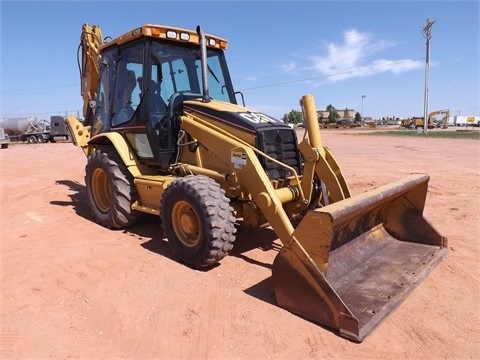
<point x="110" y="190"/>
<point x="198" y="221"/>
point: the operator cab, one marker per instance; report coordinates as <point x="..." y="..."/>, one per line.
<point x="142" y="85"/>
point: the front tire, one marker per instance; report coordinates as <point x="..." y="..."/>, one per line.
<point x="198" y="221"/>
<point x="110" y="190"/>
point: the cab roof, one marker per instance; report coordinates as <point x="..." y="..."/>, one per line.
<point x="168" y="33"/>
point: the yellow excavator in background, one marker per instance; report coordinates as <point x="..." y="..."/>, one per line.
<point x="417" y="122"/>
<point x="432" y="118"/>
<point x="163" y="134"/>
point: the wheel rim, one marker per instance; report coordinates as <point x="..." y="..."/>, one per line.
<point x="185" y="223"/>
<point x="101" y="190"/>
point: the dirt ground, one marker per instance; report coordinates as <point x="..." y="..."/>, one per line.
<point x="72" y="289"/>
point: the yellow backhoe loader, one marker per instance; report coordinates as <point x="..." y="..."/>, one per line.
<point x="163" y="134"/>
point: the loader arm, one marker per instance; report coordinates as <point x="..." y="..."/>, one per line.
<point x="275" y="204"/>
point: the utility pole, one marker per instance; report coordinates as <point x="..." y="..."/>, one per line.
<point x="363" y="97"/>
<point x="426" y="32"/>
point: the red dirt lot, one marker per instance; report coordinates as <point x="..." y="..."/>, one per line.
<point x="73" y="289"/>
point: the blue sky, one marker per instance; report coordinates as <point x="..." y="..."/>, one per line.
<point x="278" y="51"/>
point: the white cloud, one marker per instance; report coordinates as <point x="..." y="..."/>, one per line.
<point x="288" y="67"/>
<point x="350" y="59"/>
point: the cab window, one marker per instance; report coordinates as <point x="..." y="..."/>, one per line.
<point x="127" y="92"/>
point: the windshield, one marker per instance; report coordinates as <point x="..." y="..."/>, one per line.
<point x="178" y="68"/>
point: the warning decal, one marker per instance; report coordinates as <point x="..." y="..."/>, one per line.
<point x="239" y="159"/>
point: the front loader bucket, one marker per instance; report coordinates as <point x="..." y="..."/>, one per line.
<point x="348" y="265"/>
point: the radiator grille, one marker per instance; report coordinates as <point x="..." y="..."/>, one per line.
<point x="280" y="144"/>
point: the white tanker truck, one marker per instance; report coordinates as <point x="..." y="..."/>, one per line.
<point x="4" y="139"/>
<point x="33" y="131"/>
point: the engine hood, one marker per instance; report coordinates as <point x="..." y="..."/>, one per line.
<point x="272" y="137"/>
<point x="233" y="115"/>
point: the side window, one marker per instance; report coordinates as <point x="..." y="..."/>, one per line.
<point x="127" y="91"/>
<point x="175" y="78"/>
<point x="101" y="121"/>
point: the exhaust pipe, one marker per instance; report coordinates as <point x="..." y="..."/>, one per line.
<point x="203" y="50"/>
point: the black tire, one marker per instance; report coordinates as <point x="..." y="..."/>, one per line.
<point x="198" y="221"/>
<point x="32" y="139"/>
<point x="110" y="190"/>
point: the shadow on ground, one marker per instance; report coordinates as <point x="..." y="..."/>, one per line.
<point x="149" y="230"/>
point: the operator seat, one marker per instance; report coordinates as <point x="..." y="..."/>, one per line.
<point x="156" y="102"/>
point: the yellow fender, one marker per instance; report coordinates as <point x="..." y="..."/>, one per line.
<point x="81" y="138"/>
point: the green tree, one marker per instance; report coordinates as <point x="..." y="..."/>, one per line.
<point x="333" y="114"/>
<point x="358" y="117"/>
<point x="295" y="117"/>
